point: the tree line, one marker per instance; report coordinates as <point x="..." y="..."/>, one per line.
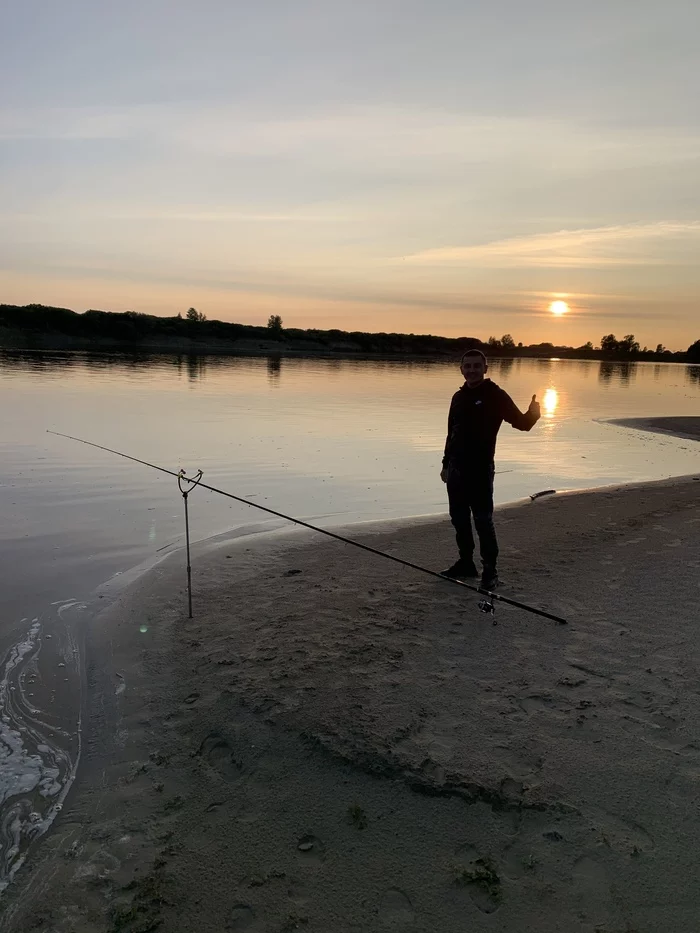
<point x="27" y="325"/>
<point x="628" y="348"/>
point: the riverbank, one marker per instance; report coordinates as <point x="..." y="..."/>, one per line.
<point x="36" y="326"/>
<point x="338" y="743"/>
<point x="678" y="427"/>
<point x="17" y="342"/>
<point x="263" y="347"/>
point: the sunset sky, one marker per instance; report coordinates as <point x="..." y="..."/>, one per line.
<point x="427" y="166"/>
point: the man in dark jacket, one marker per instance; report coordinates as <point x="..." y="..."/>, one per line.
<point x="476" y="413"/>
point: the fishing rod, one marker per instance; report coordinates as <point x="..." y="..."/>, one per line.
<point x="485" y="605"/>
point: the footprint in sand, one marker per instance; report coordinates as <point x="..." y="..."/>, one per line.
<point x="620" y="834"/>
<point x="511" y="789"/>
<point x="516" y="862"/>
<point x="98" y="866"/>
<point x="310" y="848"/>
<point x="593" y="887"/>
<point x="479" y="877"/>
<point x="242" y="916"/>
<point x="591" y="876"/>
<point x="655" y="727"/>
<point x="663" y="739"/>
<point x="572" y="682"/>
<point x="396" y="909"/>
<point x="247" y="817"/>
<point x="538" y="701"/>
<point x="216" y="751"/>
<point x="545" y="702"/>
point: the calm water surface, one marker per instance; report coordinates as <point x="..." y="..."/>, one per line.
<point x="329" y="441"/>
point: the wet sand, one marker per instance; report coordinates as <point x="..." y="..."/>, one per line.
<point x="679" y="427"/>
<point x="336" y="743"/>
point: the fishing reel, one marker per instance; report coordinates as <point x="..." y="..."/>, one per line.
<point x="486" y="606"/>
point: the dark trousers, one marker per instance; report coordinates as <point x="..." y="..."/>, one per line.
<point x="470" y="493"/>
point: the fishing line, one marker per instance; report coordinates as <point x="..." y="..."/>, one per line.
<point x="486" y="605"/>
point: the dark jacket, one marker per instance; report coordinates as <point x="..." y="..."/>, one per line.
<point x="475" y="418"/>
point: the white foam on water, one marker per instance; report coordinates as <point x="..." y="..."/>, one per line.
<point x="38" y="758"/>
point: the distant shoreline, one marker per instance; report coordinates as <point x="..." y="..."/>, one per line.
<point x="41" y="327"/>
<point x="194" y="348"/>
<point x="47" y="344"/>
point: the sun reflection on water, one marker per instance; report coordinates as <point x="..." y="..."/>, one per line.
<point x="550" y="402"/>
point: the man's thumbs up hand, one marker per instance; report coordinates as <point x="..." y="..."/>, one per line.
<point x="534" y="408"/>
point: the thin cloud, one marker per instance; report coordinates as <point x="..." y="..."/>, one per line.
<point x="548" y="296"/>
<point x="95" y="211"/>
<point x="622" y="245"/>
<point x="230" y="216"/>
<point x="362" y="135"/>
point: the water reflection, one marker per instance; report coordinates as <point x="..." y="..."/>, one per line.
<point x="628" y="372"/>
<point x="274" y="369"/>
<point x="616" y="371"/>
<point x="605" y="373"/>
<point x="550" y="402"/>
<point x="196" y="367"/>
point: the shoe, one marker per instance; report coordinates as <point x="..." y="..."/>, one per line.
<point x="489" y="579"/>
<point x="462" y="568"/>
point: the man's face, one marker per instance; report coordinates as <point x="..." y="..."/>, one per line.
<point x="473" y="369"/>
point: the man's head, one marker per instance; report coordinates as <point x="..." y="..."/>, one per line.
<point x="473" y="367"/>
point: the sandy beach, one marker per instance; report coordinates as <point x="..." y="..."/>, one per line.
<point x="335" y="743"/>
<point x="678" y="427"/>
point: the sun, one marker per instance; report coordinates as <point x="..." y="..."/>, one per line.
<point x="559" y="308"/>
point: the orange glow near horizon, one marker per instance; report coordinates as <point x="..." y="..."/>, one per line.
<point x="528" y="319"/>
